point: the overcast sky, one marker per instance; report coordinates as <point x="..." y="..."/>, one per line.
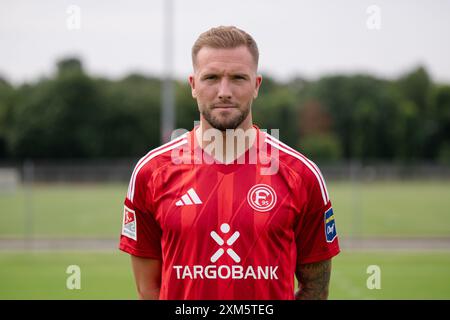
<point x="305" y="38"/>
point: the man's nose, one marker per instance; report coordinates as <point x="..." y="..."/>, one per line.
<point x="224" y="89"/>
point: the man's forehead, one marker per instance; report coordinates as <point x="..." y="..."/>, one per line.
<point x="225" y="68"/>
<point x="235" y="58"/>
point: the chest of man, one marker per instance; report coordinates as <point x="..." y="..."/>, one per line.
<point x="224" y="205"/>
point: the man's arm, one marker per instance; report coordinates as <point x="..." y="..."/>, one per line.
<point x="147" y="273"/>
<point x="313" y="280"/>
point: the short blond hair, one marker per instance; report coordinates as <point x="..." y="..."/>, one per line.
<point x="225" y="37"/>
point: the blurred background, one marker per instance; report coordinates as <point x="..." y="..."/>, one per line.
<point x="360" y="87"/>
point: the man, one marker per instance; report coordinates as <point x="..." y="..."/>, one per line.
<point x="204" y="220"/>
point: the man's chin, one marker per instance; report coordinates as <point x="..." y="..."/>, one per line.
<point x="225" y="120"/>
<point x="224" y="125"/>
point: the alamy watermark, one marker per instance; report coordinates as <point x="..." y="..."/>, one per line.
<point x="73" y="21"/>
<point x="231" y="143"/>
<point x="373" y="21"/>
<point x="374" y="280"/>
<point x="74" y="279"/>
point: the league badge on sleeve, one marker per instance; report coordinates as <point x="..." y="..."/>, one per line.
<point x="129" y="223"/>
<point x="330" y="226"/>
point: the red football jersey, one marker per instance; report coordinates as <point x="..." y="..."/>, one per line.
<point x="228" y="231"/>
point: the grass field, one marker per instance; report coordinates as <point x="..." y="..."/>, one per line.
<point x="416" y="209"/>
<point x="108" y="276"/>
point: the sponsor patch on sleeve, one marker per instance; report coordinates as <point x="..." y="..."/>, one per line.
<point x="129" y="223"/>
<point x="330" y="226"/>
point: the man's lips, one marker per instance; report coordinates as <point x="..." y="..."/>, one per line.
<point x="224" y="106"/>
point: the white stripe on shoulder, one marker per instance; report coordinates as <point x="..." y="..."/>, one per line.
<point x="311" y="162"/>
<point x="150" y="152"/>
<point x="150" y="155"/>
<point x="292" y="149"/>
<point x="311" y="166"/>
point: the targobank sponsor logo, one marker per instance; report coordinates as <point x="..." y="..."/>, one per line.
<point x="236" y="271"/>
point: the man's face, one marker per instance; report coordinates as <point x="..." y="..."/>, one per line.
<point x="225" y="83"/>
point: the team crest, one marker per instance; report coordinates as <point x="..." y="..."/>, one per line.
<point x="129" y="223"/>
<point x="330" y="225"/>
<point x="262" y="197"/>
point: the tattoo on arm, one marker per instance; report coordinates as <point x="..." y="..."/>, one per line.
<point x="313" y="280"/>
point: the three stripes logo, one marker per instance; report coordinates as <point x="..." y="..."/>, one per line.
<point x="189" y="198"/>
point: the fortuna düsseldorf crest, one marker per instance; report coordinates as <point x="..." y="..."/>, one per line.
<point x="262" y="197"/>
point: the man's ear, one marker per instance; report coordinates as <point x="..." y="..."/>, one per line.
<point x="192" y="83"/>
<point x="257" y="85"/>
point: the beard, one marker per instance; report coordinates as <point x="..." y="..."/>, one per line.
<point x="222" y="121"/>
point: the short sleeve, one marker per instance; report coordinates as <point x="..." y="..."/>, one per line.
<point x="315" y="233"/>
<point x="141" y="234"/>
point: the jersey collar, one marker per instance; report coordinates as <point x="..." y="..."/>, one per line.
<point x="197" y="151"/>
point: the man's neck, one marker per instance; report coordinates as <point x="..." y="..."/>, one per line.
<point x="225" y="146"/>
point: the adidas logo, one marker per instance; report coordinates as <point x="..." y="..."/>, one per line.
<point x="189" y="198"/>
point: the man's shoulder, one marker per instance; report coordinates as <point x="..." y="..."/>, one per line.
<point x="153" y="160"/>
<point x="160" y="156"/>
<point x="299" y="165"/>
<point x="291" y="157"/>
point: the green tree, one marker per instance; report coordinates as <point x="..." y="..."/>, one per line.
<point x="6" y="102"/>
<point x="56" y="118"/>
<point x="441" y="106"/>
<point x="275" y="109"/>
<point x="130" y="113"/>
<point x="416" y="87"/>
<point x="186" y="106"/>
<point x="323" y="147"/>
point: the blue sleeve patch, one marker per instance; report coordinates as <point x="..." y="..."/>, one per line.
<point x="330" y="226"/>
